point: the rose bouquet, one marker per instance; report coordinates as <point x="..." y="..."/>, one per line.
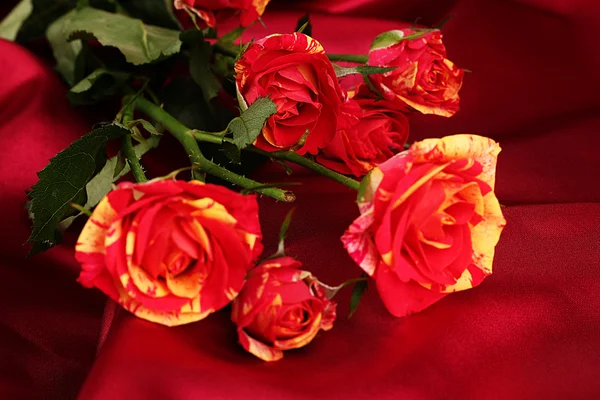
<point x="173" y="249"/>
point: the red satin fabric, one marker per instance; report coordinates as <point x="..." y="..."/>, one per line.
<point x="529" y="331"/>
<point x="48" y="323"/>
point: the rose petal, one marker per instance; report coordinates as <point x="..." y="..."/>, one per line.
<point x="360" y="246"/>
<point x="93" y="235"/>
<point x="302" y="339"/>
<point x="403" y="298"/>
<point x="481" y="149"/>
<point x="259" y="349"/>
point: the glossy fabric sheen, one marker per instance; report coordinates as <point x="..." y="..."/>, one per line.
<point x="530" y="331"/>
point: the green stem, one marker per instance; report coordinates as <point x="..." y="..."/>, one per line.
<point x="306" y="163"/>
<point x="127" y="148"/>
<point x="356" y="58"/>
<point x="287" y="156"/>
<point x="210" y="137"/>
<point x="284" y="155"/>
<point x="218" y="48"/>
<point x="81" y="209"/>
<point x="185" y="136"/>
<point x="355" y="280"/>
<point x="207" y="137"/>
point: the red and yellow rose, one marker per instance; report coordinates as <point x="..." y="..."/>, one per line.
<point x="424" y="78"/>
<point x="170" y="252"/>
<point x="295" y="73"/>
<point x="369" y="132"/>
<point x="280" y="308"/>
<point x="215" y="12"/>
<point x="429" y="221"/>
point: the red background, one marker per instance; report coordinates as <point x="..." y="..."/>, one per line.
<point x="530" y="331"/>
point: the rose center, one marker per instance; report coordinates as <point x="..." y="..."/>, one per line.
<point x="432" y="76"/>
<point x="178" y="262"/>
<point x="296" y="315"/>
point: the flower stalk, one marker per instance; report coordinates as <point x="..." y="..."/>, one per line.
<point x="218" y="48"/>
<point x="284" y="156"/>
<point x="355" y="58"/>
<point x="296" y="158"/>
<point x="185" y="136"/>
<point x="127" y="148"/>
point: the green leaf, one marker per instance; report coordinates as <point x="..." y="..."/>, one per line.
<point x="101" y="184"/>
<point x="210" y="33"/>
<point x="200" y="62"/>
<point x="97" y="86"/>
<point x="357" y="293"/>
<point x="200" y="70"/>
<point x="82" y="62"/>
<point x="390" y="38"/>
<point x="243" y="48"/>
<point x="387" y="39"/>
<point x="65" y="53"/>
<point x="146" y="124"/>
<point x="364" y="184"/>
<point x="222" y="66"/>
<point x="155" y="12"/>
<point x="247" y="127"/>
<point x="121" y="163"/>
<point x="63" y="182"/>
<point x="283" y="232"/>
<point x="361" y="69"/>
<point x="44" y="13"/>
<point x="304" y="25"/>
<point x="184" y="100"/>
<point x="191" y="36"/>
<point x="443" y="22"/>
<point x="137" y="135"/>
<point x="87" y="62"/>
<point x="87" y="83"/>
<point x="368" y="186"/>
<point x="11" y="24"/>
<point x="232" y="152"/>
<point x="231" y="36"/>
<point x="139" y="43"/>
<point x="108" y="5"/>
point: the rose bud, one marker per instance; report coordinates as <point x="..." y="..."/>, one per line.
<point x="280" y="308"/>
<point x="217" y="12"/>
<point x="295" y="73"/>
<point x="424" y="78"/>
<point x="170" y="252"/>
<point x="369" y="133"/>
<point x="429" y="221"/>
